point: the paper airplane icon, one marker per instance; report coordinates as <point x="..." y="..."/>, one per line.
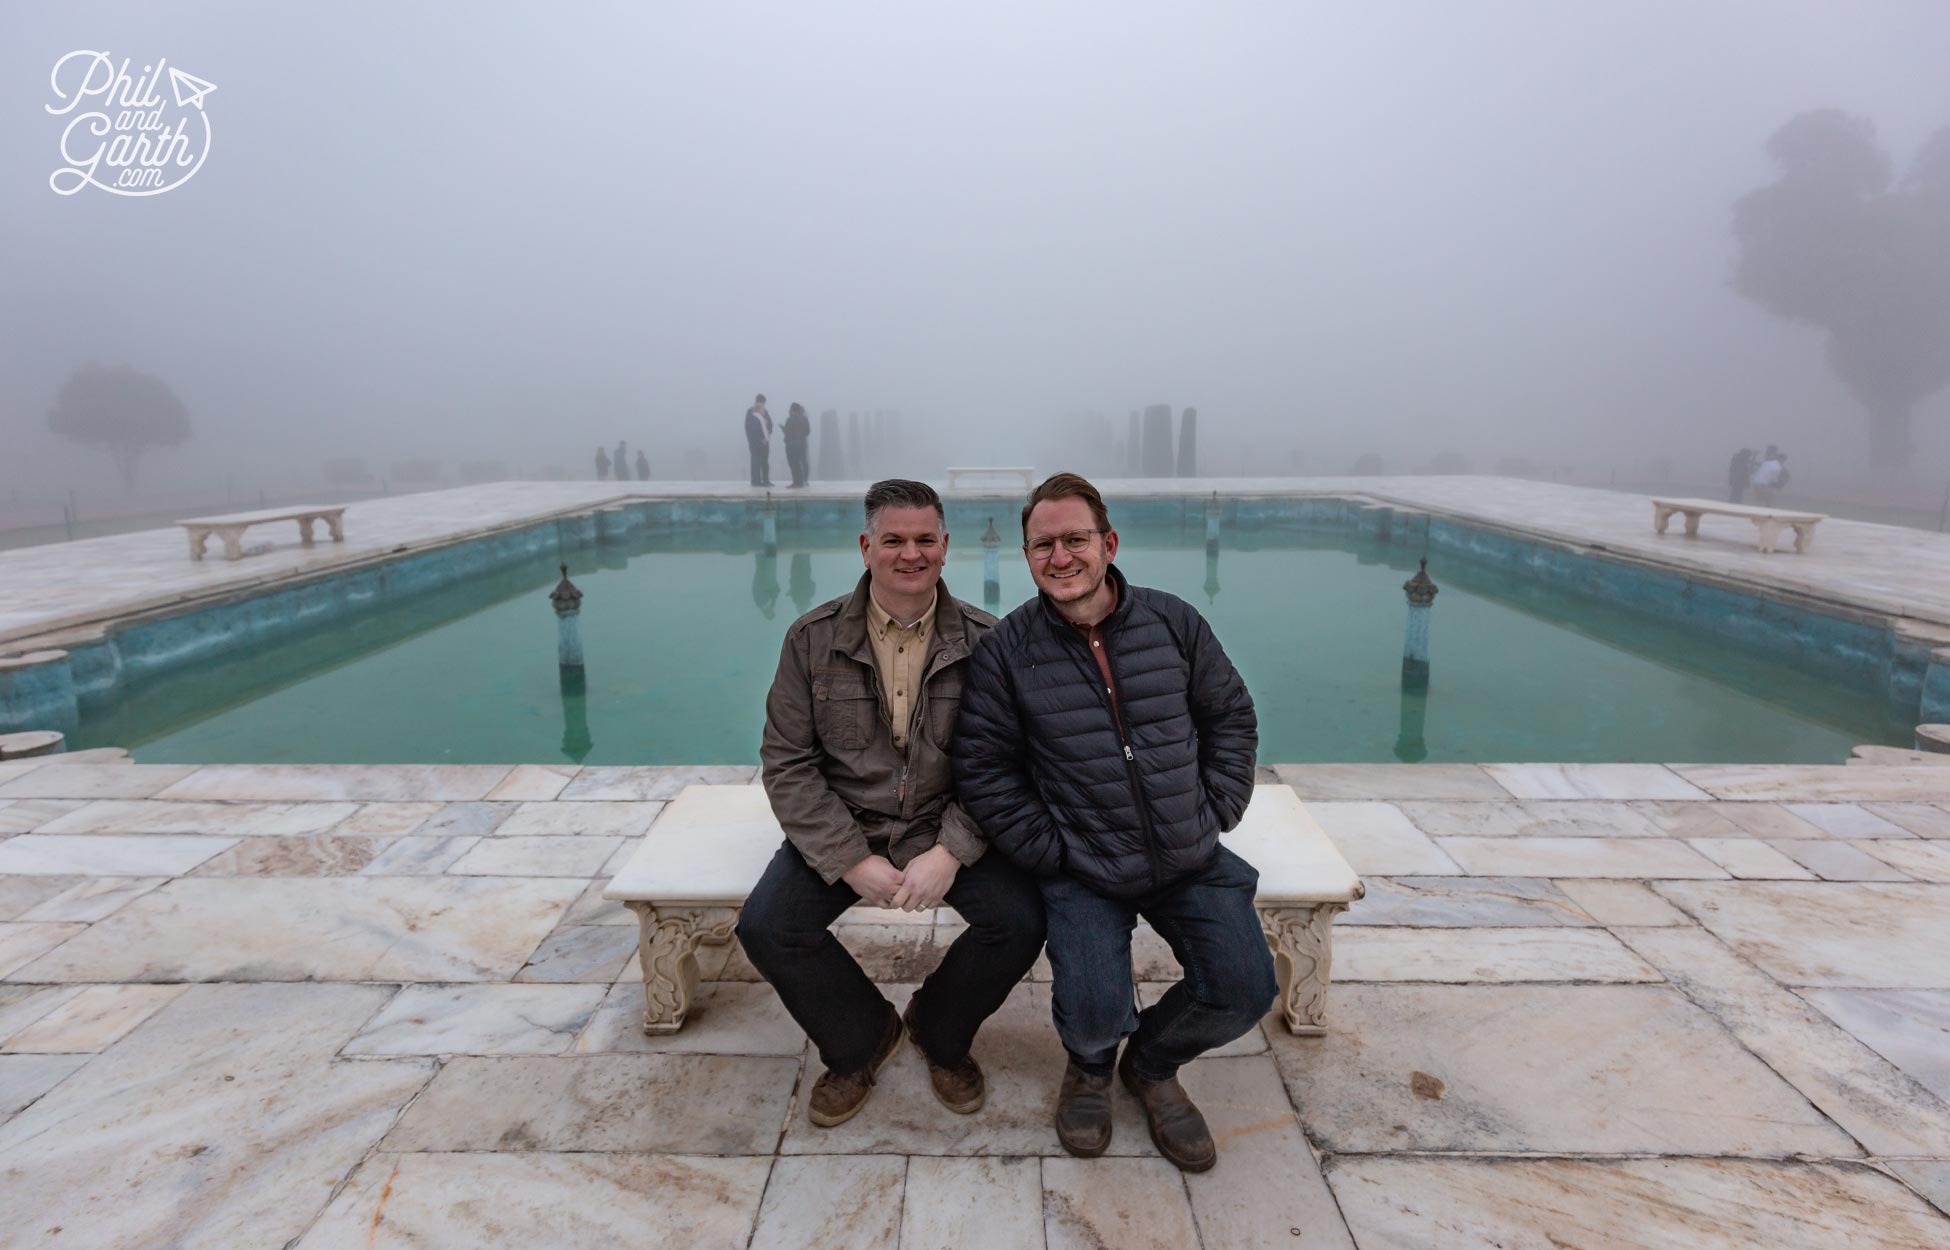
<point x="189" y="88"/>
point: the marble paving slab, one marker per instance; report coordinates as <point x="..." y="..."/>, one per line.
<point x="95" y="781"/>
<point x="1132" y="1204"/>
<point x="593" y="909"/>
<point x="22" y="943"/>
<point x="1829" y="935"/>
<point x="1390" y="781"/>
<point x="91" y="1021"/>
<point x="1879" y="1105"/>
<point x="535" y="857"/>
<point x="1769" y="821"/>
<point x="158" y="816"/>
<point x="832" y="1202"/>
<point x="1462" y="902"/>
<point x="396" y="783"/>
<point x="1493" y="955"/>
<point x="1592" y="781"/>
<point x="1909" y="1028"/>
<point x="948" y="1200"/>
<point x="418" y="857"/>
<point x="1831" y="783"/>
<point x="1531" y="818"/>
<point x="591" y="953"/>
<point x="1685" y="820"/>
<point x="90" y="898"/>
<point x="318" y="929"/>
<point x="1839" y="861"/>
<point x="1930" y="1178"/>
<point x="107" y="854"/>
<point x="275" y="1122"/>
<point x="24" y="1078"/>
<point x="1627" y="1204"/>
<point x="1540" y="1068"/>
<point x="388" y="818"/>
<point x="461" y="819"/>
<point x="1925" y="820"/>
<point x="1925" y="861"/>
<point x="316" y="855"/>
<point x="728" y="1018"/>
<point x="1621" y="902"/>
<point x="527" y="1201"/>
<point x="1750" y="859"/>
<point x="602" y="819"/>
<point x="21" y="894"/>
<point x="479" y="1020"/>
<point x="533" y="783"/>
<point x="1579" y="857"/>
<point x="27" y="815"/>
<point x="661" y="1104"/>
<point x="1376" y="839"/>
<point x="1846" y="820"/>
<point x="651" y="781"/>
<point x="22" y="1005"/>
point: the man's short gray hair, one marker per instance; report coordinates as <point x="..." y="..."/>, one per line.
<point x="900" y="492"/>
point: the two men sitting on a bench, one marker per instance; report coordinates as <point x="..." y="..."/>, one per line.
<point x="1097" y="737"/>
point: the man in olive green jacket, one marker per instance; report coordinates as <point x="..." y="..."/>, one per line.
<point x="856" y="764"/>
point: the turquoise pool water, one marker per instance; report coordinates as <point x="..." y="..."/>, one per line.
<point x="682" y="635"/>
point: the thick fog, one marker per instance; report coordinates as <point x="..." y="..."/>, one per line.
<point x="510" y="233"/>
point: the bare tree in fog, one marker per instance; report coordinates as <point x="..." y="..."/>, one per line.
<point x="1832" y="243"/>
<point x="124" y="410"/>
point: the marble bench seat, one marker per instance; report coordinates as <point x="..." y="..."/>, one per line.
<point x="1768" y="521"/>
<point x="1027" y="473"/>
<point x="699" y="861"/>
<point x="230" y="528"/>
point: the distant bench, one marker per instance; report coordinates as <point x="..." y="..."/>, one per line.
<point x="1770" y="521"/>
<point x="1028" y="475"/>
<point x="692" y="872"/>
<point x="231" y="528"/>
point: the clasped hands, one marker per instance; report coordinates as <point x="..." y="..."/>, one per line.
<point x="923" y="884"/>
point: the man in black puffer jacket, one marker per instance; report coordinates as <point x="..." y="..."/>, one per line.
<point x="1104" y="743"/>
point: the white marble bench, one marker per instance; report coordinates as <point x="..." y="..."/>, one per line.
<point x="1028" y="474"/>
<point x="694" y="869"/>
<point x="231" y="528"/>
<point x="1769" y="521"/>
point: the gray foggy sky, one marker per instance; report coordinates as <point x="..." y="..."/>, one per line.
<point x="508" y="232"/>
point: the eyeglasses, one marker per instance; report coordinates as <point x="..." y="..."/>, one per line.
<point x="1076" y="542"/>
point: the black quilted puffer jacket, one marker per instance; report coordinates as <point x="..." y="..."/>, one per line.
<point x="1058" y="785"/>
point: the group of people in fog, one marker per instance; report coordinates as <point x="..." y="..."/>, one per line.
<point x="618" y="465"/>
<point x="758" y="442"/>
<point x="1764" y="473"/>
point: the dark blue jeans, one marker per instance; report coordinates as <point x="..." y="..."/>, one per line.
<point x="1209" y="921"/>
<point x="783" y="929"/>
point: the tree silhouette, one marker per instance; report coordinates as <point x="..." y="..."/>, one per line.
<point x="124" y="410"/>
<point x="1834" y="242"/>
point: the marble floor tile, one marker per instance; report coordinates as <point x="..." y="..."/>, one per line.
<point x="601" y="819"/>
<point x="22" y="943"/>
<point x="1769" y="821"/>
<point x="92" y="1020"/>
<point x="1265" y="1184"/>
<point x="230" y="819"/>
<point x="95" y="781"/>
<point x="1494" y="955"/>
<point x="116" y="1158"/>
<point x="591" y="953"/>
<point x="1531" y="818"/>
<point x="1626" y="1204"/>
<point x="318" y="855"/>
<point x="1924" y="861"/>
<point x="1829" y="935"/>
<point x="1909" y="1028"/>
<point x="659" y="1104"/>
<point x="379" y="819"/>
<point x="651" y="781"/>
<point x="1829" y="783"/>
<point x="1621" y="902"/>
<point x="533" y="783"/>
<point x="461" y="819"/>
<point x="948" y="1200"/>
<point x="318" y="928"/>
<point x="832" y="1202"/>
<point x="22" y="1005"/>
<point x="535" y="857"/>
<point x="1390" y="781"/>
<point x="1846" y="820"/>
<point x="1882" y="1108"/>
<point x="1750" y="859"/>
<point x="107" y="855"/>
<point x="24" y="1078"/>
<point x="1132" y="1204"/>
<point x="1579" y="857"/>
<point x="593" y="908"/>
<point x="1377" y="839"/>
<point x="27" y="815"/>
<point x="396" y="783"/>
<point x="619" y="858"/>
<point x="1253" y="1042"/>
<point x="8" y="771"/>
<point x="418" y="857"/>
<point x="1928" y="1177"/>
<point x="1839" y="861"/>
<point x="479" y="1020"/>
<point x="1694" y="820"/>
<point x="1592" y="781"/>
<point x="90" y="898"/>
<point x="727" y="1018"/>
<point x="1925" y="820"/>
<point x="21" y="894"/>
<point x="1462" y="902"/>
<point x="529" y="1200"/>
<point x="1598" y="1069"/>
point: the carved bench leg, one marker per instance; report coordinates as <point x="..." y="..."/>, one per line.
<point x="1302" y="939"/>
<point x="1661" y="517"/>
<point x="233" y="541"/>
<point x="304" y="529"/>
<point x="197" y="539"/>
<point x="1770" y="533"/>
<point x="336" y="523"/>
<point x="668" y="942"/>
<point x="1692" y="524"/>
<point x="1804" y="537"/>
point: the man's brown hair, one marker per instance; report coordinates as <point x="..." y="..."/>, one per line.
<point x="1066" y="486"/>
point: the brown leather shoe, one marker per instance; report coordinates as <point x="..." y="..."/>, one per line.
<point x="838" y="1096"/>
<point x="1083" y="1113"/>
<point x="1177" y="1128"/>
<point x="962" y="1089"/>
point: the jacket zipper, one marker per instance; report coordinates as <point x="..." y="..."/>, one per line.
<point x="1116" y="710"/>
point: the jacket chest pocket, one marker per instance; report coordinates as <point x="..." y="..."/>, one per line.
<point x="843" y="710"/>
<point x="944" y="705"/>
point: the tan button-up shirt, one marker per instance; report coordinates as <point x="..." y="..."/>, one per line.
<point x="901" y="654"/>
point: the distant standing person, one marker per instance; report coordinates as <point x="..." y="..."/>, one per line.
<point x="642" y="466"/>
<point x="798" y="429"/>
<point x="758" y="440"/>
<point x="1769" y="476"/>
<point x="602" y="465"/>
<point x="621" y="462"/>
<point x="1739" y="472"/>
